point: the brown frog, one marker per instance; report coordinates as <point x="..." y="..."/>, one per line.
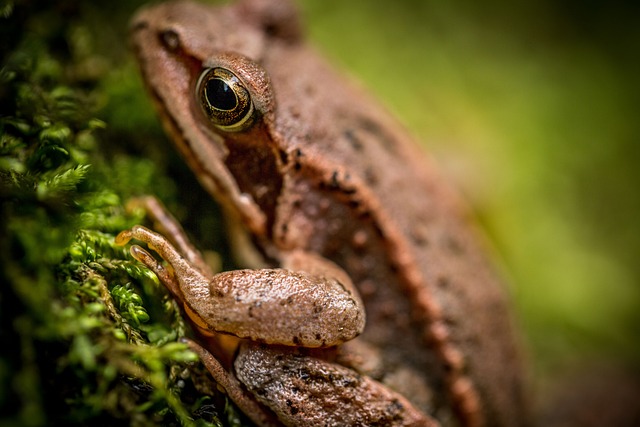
<point x="338" y="213"/>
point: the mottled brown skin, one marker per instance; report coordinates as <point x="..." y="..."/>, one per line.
<point x="324" y="170"/>
<point x="361" y="400"/>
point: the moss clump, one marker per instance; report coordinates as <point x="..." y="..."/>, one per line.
<point x="89" y="335"/>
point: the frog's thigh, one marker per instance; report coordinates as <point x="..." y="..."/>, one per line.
<point x="303" y="390"/>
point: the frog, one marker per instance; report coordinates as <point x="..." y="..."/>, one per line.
<point x="369" y="296"/>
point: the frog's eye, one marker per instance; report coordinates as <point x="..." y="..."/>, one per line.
<point x="225" y="99"/>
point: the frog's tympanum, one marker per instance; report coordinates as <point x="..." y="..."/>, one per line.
<point x="339" y="215"/>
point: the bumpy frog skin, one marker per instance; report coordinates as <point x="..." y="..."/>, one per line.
<point x="343" y="209"/>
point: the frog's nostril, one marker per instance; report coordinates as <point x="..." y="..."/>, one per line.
<point x="139" y="25"/>
<point x="170" y="39"/>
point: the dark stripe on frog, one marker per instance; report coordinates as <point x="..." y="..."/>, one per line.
<point x="256" y="171"/>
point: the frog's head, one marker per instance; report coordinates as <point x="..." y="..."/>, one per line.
<point x="202" y="66"/>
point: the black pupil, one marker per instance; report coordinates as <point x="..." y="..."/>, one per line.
<point x="220" y="95"/>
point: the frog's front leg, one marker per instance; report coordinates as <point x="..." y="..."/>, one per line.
<point x="275" y="306"/>
<point x="308" y="391"/>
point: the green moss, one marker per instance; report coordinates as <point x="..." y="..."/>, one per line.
<point x="89" y="334"/>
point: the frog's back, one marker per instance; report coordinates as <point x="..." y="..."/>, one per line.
<point x="403" y="233"/>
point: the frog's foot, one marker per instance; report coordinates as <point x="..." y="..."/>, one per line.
<point x="167" y="225"/>
<point x="245" y="401"/>
<point x="170" y="275"/>
<point x="303" y="390"/>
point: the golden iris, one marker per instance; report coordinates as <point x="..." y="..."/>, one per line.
<point x="225" y="99"/>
